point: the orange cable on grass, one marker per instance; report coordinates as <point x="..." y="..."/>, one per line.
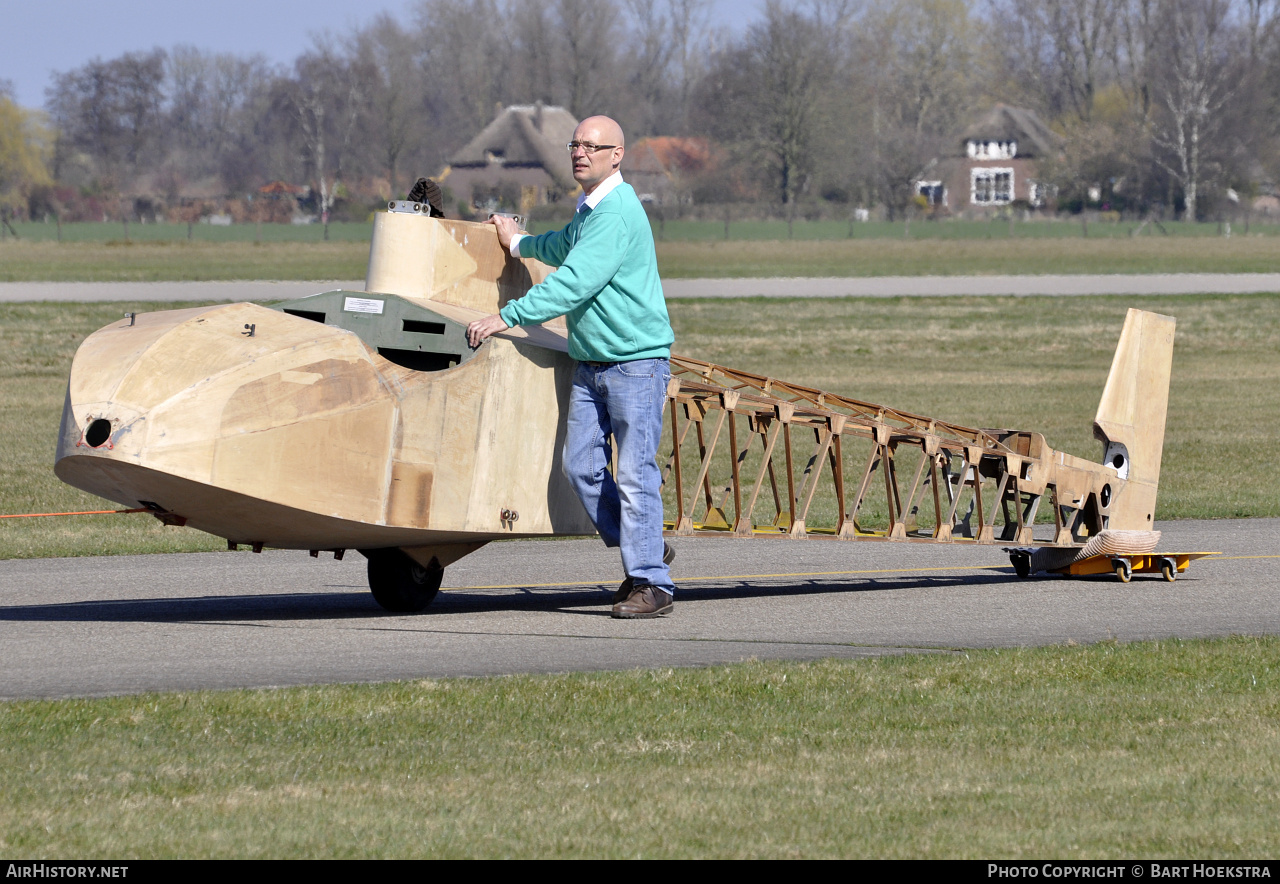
<point x="141" y="509"/>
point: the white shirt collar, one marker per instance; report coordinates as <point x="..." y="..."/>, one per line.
<point x="603" y="190"/>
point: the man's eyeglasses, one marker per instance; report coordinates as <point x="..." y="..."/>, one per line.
<point x="589" y="147"/>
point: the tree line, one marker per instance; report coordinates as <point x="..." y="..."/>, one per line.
<point x="1166" y="106"/>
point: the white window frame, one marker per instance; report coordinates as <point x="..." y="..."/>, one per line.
<point x="990" y="173"/>
<point x="992" y="150"/>
<point x="923" y="185"/>
<point x="1037" y="193"/>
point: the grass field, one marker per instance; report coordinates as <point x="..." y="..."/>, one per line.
<point x="961" y="257"/>
<point x="139" y="234"/>
<point x="1164" y="749"/>
<point x="97" y="252"/>
<point x="674" y="230"/>
<point x="182" y="261"/>
<point x="1159" y="750"/>
<point x="1025" y="363"/>
<point x="951" y="229"/>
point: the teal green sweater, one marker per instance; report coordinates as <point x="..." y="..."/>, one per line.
<point x="606" y="283"/>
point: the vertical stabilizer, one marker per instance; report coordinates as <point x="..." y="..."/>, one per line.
<point x="1131" y="415"/>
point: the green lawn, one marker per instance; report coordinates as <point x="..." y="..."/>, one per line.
<point x="113" y="232"/>
<point x="1163" y="750"/>
<point x="963" y="257"/>
<point x="28" y="261"/>
<point x="1159" y="750"/>
<point x="673" y="230"/>
<point x="97" y="252"/>
<point x="1024" y="363"/>
<point x="999" y="228"/>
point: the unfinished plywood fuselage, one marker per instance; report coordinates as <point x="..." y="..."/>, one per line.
<point x="349" y="420"/>
<point x="362" y="420"/>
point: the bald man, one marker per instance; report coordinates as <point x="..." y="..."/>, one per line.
<point x="606" y="286"/>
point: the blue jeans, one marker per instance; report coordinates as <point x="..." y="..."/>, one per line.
<point x="627" y="400"/>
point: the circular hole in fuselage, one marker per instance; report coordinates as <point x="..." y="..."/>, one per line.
<point x="99" y="432"/>
<point x="1118" y="461"/>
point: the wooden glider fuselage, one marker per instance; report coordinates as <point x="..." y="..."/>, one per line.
<point x="363" y="420"/>
<point x="344" y="420"/>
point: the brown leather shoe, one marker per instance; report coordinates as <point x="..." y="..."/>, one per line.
<point x="644" y="603"/>
<point x="624" y="589"/>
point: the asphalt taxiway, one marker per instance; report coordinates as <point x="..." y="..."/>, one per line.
<point x="127" y="624"/>
<point x="783" y="287"/>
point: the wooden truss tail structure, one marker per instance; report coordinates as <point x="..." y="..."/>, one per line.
<point x="887" y="474"/>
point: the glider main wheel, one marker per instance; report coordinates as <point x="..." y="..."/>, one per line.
<point x="1123" y="569"/>
<point x="1169" y="569"/>
<point x="399" y="584"/>
<point x="1021" y="563"/>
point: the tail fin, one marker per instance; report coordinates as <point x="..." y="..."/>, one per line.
<point x="1131" y="415"/>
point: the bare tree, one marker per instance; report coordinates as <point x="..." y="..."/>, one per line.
<point x="1192" y="87"/>
<point x="687" y="37"/>
<point x="466" y="70"/>
<point x="388" y="52"/>
<point x="920" y="57"/>
<point x="138" y="80"/>
<point x="917" y="65"/>
<point x="589" y="30"/>
<point x="111" y="110"/>
<point x="1136" y="43"/>
<point x="187" y="76"/>
<point x="532" y="41"/>
<point x="662" y="61"/>
<point x="326" y="101"/>
<point x="1260" y="20"/>
<point x="648" y="59"/>
<point x="210" y="98"/>
<point x="1062" y="49"/>
<point x="1263" y="27"/>
<point x="767" y="96"/>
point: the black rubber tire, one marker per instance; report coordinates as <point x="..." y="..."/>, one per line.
<point x="399" y="584"/>
<point x="1021" y="564"/>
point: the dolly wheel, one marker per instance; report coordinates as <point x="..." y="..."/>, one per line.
<point x="1021" y="563"/>
<point x="1123" y="569"/>
<point x="399" y="584"/>
<point x="1169" y="569"/>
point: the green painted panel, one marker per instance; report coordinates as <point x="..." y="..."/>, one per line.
<point x="400" y="330"/>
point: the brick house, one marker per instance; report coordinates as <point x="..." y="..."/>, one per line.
<point x="994" y="164"/>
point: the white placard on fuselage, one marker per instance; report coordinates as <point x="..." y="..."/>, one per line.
<point x="362" y="305"/>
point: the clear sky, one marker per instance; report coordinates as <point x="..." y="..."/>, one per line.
<point x="38" y="37"/>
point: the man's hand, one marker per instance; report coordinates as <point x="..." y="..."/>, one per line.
<point x="483" y="328"/>
<point x="507" y="228"/>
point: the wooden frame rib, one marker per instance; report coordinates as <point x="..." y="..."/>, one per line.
<point x="827" y="497"/>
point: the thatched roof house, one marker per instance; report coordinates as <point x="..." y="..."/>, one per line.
<point x="518" y="161"/>
<point x="994" y="164"/>
<point x="1020" y="129"/>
